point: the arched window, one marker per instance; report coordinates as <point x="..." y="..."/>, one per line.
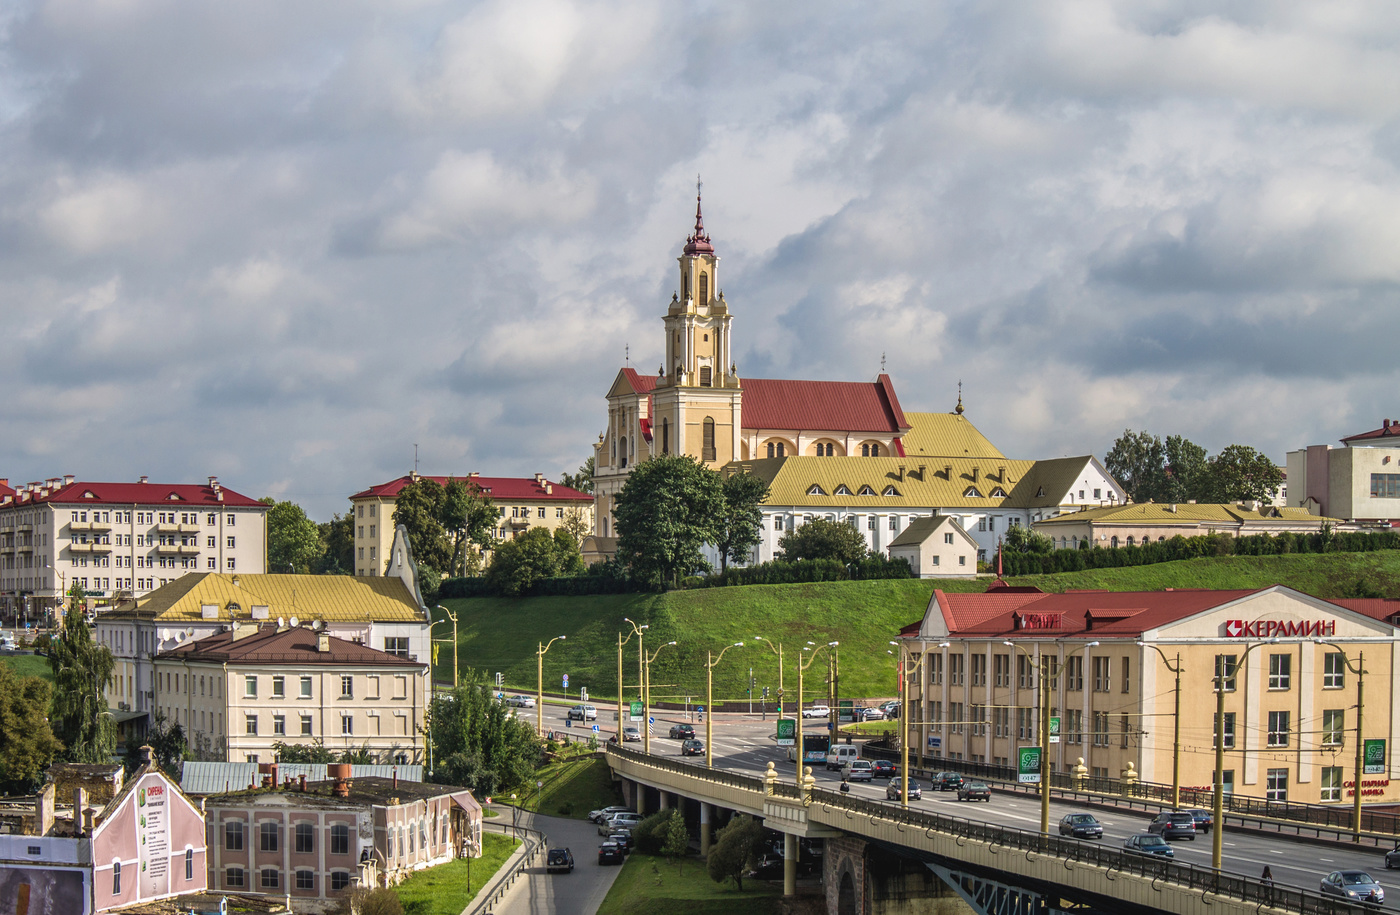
<point x="622" y="448"/>
<point x="665" y="436"/>
<point x="1114" y="541"/>
<point x="770" y="449"/>
<point x="1130" y="540"/>
<point x="707" y="440"/>
<point x="116" y="878"/>
<point x="605" y="526"/>
<point x="704" y="288"/>
<point x="704" y="376"/>
<point x="780" y="449"/>
<point x="189" y="864"/>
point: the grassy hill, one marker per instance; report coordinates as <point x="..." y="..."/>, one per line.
<point x="498" y="634"/>
<point x="28" y="665"/>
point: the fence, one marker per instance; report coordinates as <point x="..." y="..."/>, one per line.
<point x="535" y="843"/>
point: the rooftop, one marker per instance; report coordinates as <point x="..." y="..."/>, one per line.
<point x="1187" y="514"/>
<point x="363" y="790"/>
<point x="271" y="645"/>
<point x="335" y="598"/>
<point x="67" y="491"/>
<point x="500" y="489"/>
<point x="946" y="435"/>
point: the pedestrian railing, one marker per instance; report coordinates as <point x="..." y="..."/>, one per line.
<point x="535" y="845"/>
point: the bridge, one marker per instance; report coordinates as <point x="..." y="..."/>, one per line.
<point x="883" y="858"/>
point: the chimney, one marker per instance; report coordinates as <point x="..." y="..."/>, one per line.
<point x="340" y="772"/>
<point x="272" y="772"/>
<point x="144" y="479"/>
<point x="975" y="472"/>
<point x="301" y="782"/>
<point x="901" y="473"/>
<point x="323" y="642"/>
<point x="67" y="479"/>
<point x="921" y="472"/>
<point x="213" y="482"/>
<point x="1001" y="474"/>
<point x="1172" y="508"/>
<point x="948" y="472"/>
<point x="43" y="810"/>
<point x="413" y="476"/>
<point x="539" y="479"/>
<point x="473" y="475"/>
<point x="396" y="778"/>
<point x="79" y="808"/>
<point x="549" y="489"/>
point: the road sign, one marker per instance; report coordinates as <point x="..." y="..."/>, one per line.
<point x="1055" y="730"/>
<point x="651" y="721"/>
<point x="500" y="695"/>
<point x="595" y="729"/>
<point x="1028" y="766"/>
<point x="1373" y="754"/>
<point x="787" y="732"/>
<point x="500" y="678"/>
<point x="935" y="742"/>
<point x="635" y="711"/>
<point x="566" y="681"/>
<point x="699" y="709"/>
<point x="583" y="694"/>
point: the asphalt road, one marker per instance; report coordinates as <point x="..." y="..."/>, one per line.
<point x="744" y="743"/>
<point x="578" y="893"/>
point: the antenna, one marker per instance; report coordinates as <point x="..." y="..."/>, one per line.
<point x="626" y="354"/>
<point x="415" y="457"/>
<point x="882" y="363"/>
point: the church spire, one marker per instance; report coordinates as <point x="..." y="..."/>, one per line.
<point x="698" y="242"/>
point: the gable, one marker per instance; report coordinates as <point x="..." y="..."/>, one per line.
<point x="1276" y="612"/>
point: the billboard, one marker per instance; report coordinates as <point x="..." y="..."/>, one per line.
<point x="787" y="732"/>
<point x="153" y="837"/>
<point x="1028" y="766"/>
<point x="1373" y="757"/>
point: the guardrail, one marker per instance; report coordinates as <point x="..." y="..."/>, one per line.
<point x="535" y="842"/>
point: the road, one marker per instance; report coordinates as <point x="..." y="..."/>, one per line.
<point x="744" y="743"/>
<point x="579" y="893"/>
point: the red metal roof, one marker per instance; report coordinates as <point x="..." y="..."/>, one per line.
<point x="498" y="488"/>
<point x="1094" y="614"/>
<point x="290" y="646"/>
<point x="150" y="494"/>
<point x="854" y="406"/>
<point x="1389" y="428"/>
<point x="642" y="384"/>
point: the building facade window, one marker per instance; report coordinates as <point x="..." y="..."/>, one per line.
<point x="306" y="687"/>
<point x="1226" y="662"/>
<point x="1280" y="671"/>
<point x="1334" y="721"/>
<point x="1228" y="732"/>
<point x="306" y="880"/>
<point x="1276" y="785"/>
<point x="233" y="835"/>
<point x="1334" y="668"/>
<point x="306" y="838"/>
<point x="116" y="878"/>
<point x="1278" y="729"/>
<point x="233" y="877"/>
<point x="269" y="878"/>
<point x="707" y="440"/>
<point x="1101" y="678"/>
<point x="1331" y="783"/>
<point x="340" y="839"/>
<point x="347" y="687"/>
<point x="267" y="833"/>
<point x="1385" y="486"/>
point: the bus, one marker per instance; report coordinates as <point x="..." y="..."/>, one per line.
<point x="814" y="750"/>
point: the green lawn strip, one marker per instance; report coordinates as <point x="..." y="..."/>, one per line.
<point x="443" y="890"/>
<point x="652" y="886"/>
<point x="28" y="665"/>
<point x="574" y="787"/>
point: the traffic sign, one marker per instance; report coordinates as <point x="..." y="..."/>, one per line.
<point x="699" y="709"/>
<point x="935" y="742"/>
<point x="1028" y="766"/>
<point x="635" y="712"/>
<point x="500" y="678"/>
<point x="1373" y="753"/>
<point x="500" y="695"/>
<point x="566" y="681"/>
<point x="651" y="721"/>
<point x="595" y="729"/>
<point x="787" y="732"/>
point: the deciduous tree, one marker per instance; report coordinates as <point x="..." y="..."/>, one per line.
<point x="82" y="669"/>
<point x="469" y="517"/>
<point x="27" y="742"/>
<point x="534" y="555"/>
<point x="293" y="540"/>
<point x="736" y="849"/>
<point x="337" y="546"/>
<point x="419" y="509"/>
<point x="737" y="532"/>
<point x="677" y="840"/>
<point x="1021" y="539"/>
<point x="1239" y="472"/>
<point x="476" y="742"/>
<point x="821" y="539"/>
<point x="665" y="512"/>
<point x="581" y="481"/>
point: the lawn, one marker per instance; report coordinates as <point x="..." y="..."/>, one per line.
<point x="572" y="787"/>
<point x="28" y="665"/>
<point x="651" y="886"/>
<point x="443" y="890"/>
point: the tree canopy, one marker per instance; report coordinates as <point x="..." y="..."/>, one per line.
<point x="476" y="742"/>
<point x="736" y="849"/>
<point x="1177" y="470"/>
<point x="1238" y="473"/>
<point x="581" y="481"/>
<point x="27" y="742"/>
<point x="338" y="546"/>
<point x="534" y="555"/>
<point x="82" y="669"/>
<point x="668" y="508"/>
<point x="737" y="532"/>
<point x="293" y="540"/>
<point x="822" y="539"/>
<point x="444" y="521"/>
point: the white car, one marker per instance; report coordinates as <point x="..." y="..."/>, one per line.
<point x="583" y="713"/>
<point x="8" y="643"/>
<point x="521" y="701"/>
<point x="816" y="711"/>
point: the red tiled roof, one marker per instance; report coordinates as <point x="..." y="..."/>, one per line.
<point x="290" y="646"/>
<point x="139" y="494"/>
<point x="1113" y="614"/>
<point x="854" y="406"/>
<point x="1377" y="608"/>
<point x="500" y="489"/>
<point x="1388" y="429"/>
<point x="642" y="384"/>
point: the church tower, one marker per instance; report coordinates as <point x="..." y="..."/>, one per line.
<point x="697" y="395"/>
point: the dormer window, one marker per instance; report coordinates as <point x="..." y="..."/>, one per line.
<point x="890" y="491"/>
<point x="841" y="490"/>
<point x="866" y="490"/>
<point x="971" y="493"/>
<point x="1040" y="493"/>
<point x="998" y="493"/>
<point x="815" y="490"/>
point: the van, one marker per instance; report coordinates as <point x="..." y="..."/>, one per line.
<point x="837" y="757"/>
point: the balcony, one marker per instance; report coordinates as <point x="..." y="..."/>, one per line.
<point x="89" y="526"/>
<point x="168" y="528"/>
<point x="187" y="528"/>
<point x="89" y="547"/>
<point x="169" y="549"/>
<point x="188" y="550"/>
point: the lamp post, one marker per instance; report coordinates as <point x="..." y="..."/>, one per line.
<point x="801" y="669"/>
<point x="710" y="662"/>
<point x="1175" y="668"/>
<point x="646" y="697"/>
<point x="904" y="677"/>
<point x="778" y="650"/>
<point x="453" y="617"/>
<point x="1217" y="831"/>
<point x="63" y="592"/>
<point x="1359" y="669"/>
<point x="637" y="631"/>
<point x="539" y="673"/>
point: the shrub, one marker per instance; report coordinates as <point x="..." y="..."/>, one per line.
<point x="649" y="836"/>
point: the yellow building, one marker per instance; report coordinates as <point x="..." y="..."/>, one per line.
<point x="1290" y="696"/>
<point x="1137" y="524"/>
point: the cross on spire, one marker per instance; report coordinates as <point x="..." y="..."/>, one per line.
<point x="698" y="242"/>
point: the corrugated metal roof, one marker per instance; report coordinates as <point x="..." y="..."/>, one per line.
<point x="791" y="480"/>
<point x="498" y="488"/>
<point x="170" y="495"/>
<point x="1187" y="514"/>
<point x="341" y="598"/>
<point x="218" y="777"/>
<point x="851" y="406"/>
<point x="946" y="435"/>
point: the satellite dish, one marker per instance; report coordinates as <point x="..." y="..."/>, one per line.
<point x="281" y="622"/>
<point x="295" y="622"/>
<point x="189" y="631"/>
<point x="165" y="635"/>
<point x="180" y="637"/>
<point x="317" y="625"/>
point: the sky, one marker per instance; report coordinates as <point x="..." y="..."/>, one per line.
<point x="287" y="243"/>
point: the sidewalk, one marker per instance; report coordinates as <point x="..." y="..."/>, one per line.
<point x="579" y="893"/>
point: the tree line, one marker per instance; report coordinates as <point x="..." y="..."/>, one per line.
<point x="1177" y="470"/>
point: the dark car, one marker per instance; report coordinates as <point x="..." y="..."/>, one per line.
<point x="610" y="853"/>
<point x="623" y="838"/>
<point x="896" y="784"/>
<point x="975" y="791"/>
<point x="1081" y="826"/>
<point x="560" y="860"/>
<point x="1392" y="857"/>
<point x="692" y="747"/>
<point x="1150" y="845"/>
<point x="1204" y="819"/>
<point x="946" y="781"/>
<point x="1171" y="824"/>
<point x="682" y="732"/>
<point x="883" y="768"/>
<point x="1358" y="886"/>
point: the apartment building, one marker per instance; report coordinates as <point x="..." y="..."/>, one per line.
<point x="1290" y="688"/>
<point x="121" y="539"/>
<point x="523" y="502"/>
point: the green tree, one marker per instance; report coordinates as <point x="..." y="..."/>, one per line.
<point x="819" y="539"/>
<point x="293" y="540"/>
<point x="1024" y="540"/>
<point x="167" y="743"/>
<point x="738" y="530"/>
<point x="581" y="481"/>
<point x="476" y="742"/>
<point x="533" y="556"/>
<point x="677" y="840"/>
<point x="737" y="848"/>
<point x="1186" y="465"/>
<point x="419" y="509"/>
<point x="363" y="900"/>
<point x="1137" y="461"/>
<point x="82" y="669"/>
<point x="469" y="517"/>
<point x="314" y="752"/>
<point x="1237" y="473"/>
<point x="576" y="523"/>
<point x="358" y="756"/>
<point x="666" y="511"/>
<point x="27" y="742"/>
<point x="337" y="546"/>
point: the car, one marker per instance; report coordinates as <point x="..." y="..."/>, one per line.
<point x="1392" y="857"/>
<point x="1357" y="885"/>
<point x="559" y="860"/>
<point x="816" y="711"/>
<point x="682" y="732"/>
<point x="619" y="821"/>
<point x="1081" y="826"/>
<point x="1172" y="824"/>
<point x="623" y="838"/>
<point x="631" y="734"/>
<point x="884" y="768"/>
<point x="602" y="813"/>
<point x="692" y="747"/>
<point x="1149" y="844"/>
<point x="1204" y="819"/>
<point x="610" y="853"/>
<point x="858" y="770"/>
<point x="946" y="781"/>
<point x="896" y="784"/>
<point x="891" y="708"/>
<point x="520" y="700"/>
<point x="872" y="714"/>
<point x="8" y="643"/>
<point x="583" y="713"/>
<point x="975" y="791"/>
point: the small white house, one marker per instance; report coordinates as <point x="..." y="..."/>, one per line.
<point x="936" y="547"/>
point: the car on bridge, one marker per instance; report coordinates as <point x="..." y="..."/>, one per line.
<point x="892" y="792"/>
<point x="1355" y="885"/>
<point x="583" y="713"/>
<point x="521" y="701"/>
<point x="692" y="747"/>
<point x="1149" y="844"/>
<point x="631" y="734"/>
<point x="682" y="732"/>
<point x="1081" y="826"/>
<point x="884" y="768"/>
<point x="946" y="781"/>
<point x="975" y="791"/>
<point x="1392" y="857"/>
<point x="1204" y="819"/>
<point x="610" y="853"/>
<point x="1171" y="824"/>
<point x="559" y="860"/>
<point x="858" y="770"/>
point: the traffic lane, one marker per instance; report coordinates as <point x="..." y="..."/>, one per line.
<point x="577" y="893"/>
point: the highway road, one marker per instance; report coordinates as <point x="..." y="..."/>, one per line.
<point x="745" y="743"/>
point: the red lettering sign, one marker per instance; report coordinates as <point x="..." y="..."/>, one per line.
<point x="1042" y="620"/>
<point x="1272" y="629"/>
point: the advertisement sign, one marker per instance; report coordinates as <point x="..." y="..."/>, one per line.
<point x="1028" y="766"/>
<point x="1268" y="629"/>
<point x="1055" y="730"/>
<point x="1373" y="757"/>
<point x="935" y="742"/>
<point x="153" y="832"/>
<point x="845" y="710"/>
<point x="787" y="732"/>
<point x="635" y="710"/>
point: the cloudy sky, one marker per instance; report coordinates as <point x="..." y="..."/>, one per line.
<point x="284" y="242"/>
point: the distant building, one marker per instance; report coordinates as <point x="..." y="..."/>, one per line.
<point x="936" y="547"/>
<point x="1139" y="524"/>
<point x="1358" y="482"/>
<point x="523" y="502"/>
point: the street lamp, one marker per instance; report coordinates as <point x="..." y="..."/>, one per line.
<point x="801" y="668"/>
<point x="1175" y="668"/>
<point x="539" y="673"/>
<point x="1218" y="803"/>
<point x="710" y="662"/>
<point x="453" y="617"/>
<point x="646" y="698"/>
<point x="904" y="678"/>
<point x="778" y="650"/>
<point x="637" y="631"/>
<point x="1359" y="669"/>
<point x="63" y="591"/>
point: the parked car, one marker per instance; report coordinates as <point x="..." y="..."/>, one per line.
<point x="946" y="781"/>
<point x="817" y="711"/>
<point x="623" y="838"/>
<point x="839" y="755"/>
<point x="896" y="784"/>
<point x="560" y="860"/>
<point x="631" y="734"/>
<point x="610" y="853"/>
<point x="692" y="747"/>
<point x="858" y="770"/>
<point x="521" y="701"/>
<point x="8" y="643"/>
<point x="1356" y="885"/>
<point x="602" y="813"/>
<point x="1171" y="824"/>
<point x="583" y="713"/>
<point x="1150" y="844"/>
<point x="619" y="821"/>
<point x="884" y="768"/>
<point x="1392" y="857"/>
<point x="975" y="791"/>
<point x="1081" y="826"/>
<point x="872" y="714"/>
<point x="682" y="732"/>
<point x="1204" y="819"/>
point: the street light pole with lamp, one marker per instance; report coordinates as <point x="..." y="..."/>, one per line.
<point x="539" y="673"/>
<point x="1360" y="670"/>
<point x="637" y="631"/>
<point x="710" y="662"/>
<point x="453" y="617"/>
<point x="63" y="591"/>
<point x="801" y="669"/>
<point x="1176" y="721"/>
<point x="1217" y="832"/>
<point x="778" y="650"/>
<point x="904" y="677"/>
<point x="646" y="696"/>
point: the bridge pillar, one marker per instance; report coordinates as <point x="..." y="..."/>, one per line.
<point x="640" y="791"/>
<point x="789" y="864"/>
<point x="665" y="799"/>
<point x="705" y="813"/>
